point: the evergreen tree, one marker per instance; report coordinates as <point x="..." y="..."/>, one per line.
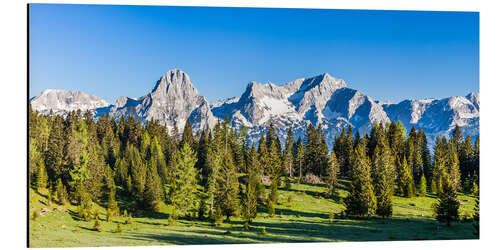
<point x="383" y="178"/>
<point x="54" y="154"/>
<point x="187" y="135"/>
<point x="311" y="149"/>
<point x="425" y="152"/>
<point x="263" y="157"/>
<point x="211" y="185"/>
<point x="422" y="187"/>
<point x="227" y="195"/>
<point x="152" y="190"/>
<point x="299" y="157"/>
<point x="405" y="181"/>
<point x="332" y="175"/>
<point x="184" y="183"/>
<point x="446" y="209"/>
<point x="250" y="197"/>
<point x="361" y="200"/>
<point x="62" y="193"/>
<point x="288" y="154"/>
<point x="42" y="177"/>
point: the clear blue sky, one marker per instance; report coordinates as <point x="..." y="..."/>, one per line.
<point x="113" y="51"/>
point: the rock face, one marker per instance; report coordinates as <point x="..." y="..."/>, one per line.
<point x="320" y="100"/>
<point x="173" y="100"/>
<point x="63" y="101"/>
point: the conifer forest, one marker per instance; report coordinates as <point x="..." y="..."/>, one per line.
<point x="107" y="181"/>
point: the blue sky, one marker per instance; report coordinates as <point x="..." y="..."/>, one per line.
<point x="113" y="51"/>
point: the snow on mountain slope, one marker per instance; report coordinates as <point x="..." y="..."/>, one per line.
<point x="439" y="117"/>
<point x="63" y="101"/>
<point x="319" y="100"/>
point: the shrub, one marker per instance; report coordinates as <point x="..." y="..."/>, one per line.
<point x="118" y="228"/>
<point x="270" y="208"/>
<point x="108" y="214"/>
<point x="36" y="215"/>
<point x="171" y="220"/>
<point x="218" y="216"/>
<point x="288" y="183"/>
<point x="128" y="220"/>
<point x="96" y="214"/>
<point x="290" y="199"/>
<point x="311" y="178"/>
<point x="97" y="225"/>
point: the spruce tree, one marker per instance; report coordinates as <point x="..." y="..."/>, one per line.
<point x="250" y="197"/>
<point x="332" y="175"/>
<point x="405" y="180"/>
<point x="211" y="186"/>
<point x="311" y="149"/>
<point x="299" y="157"/>
<point x="187" y="135"/>
<point x="422" y="187"/>
<point x="184" y="182"/>
<point x="446" y="209"/>
<point x="383" y="178"/>
<point x="42" y="177"/>
<point x="227" y="195"/>
<point x="361" y="200"/>
<point x="62" y="193"/>
<point x="288" y="154"/>
<point x="152" y="190"/>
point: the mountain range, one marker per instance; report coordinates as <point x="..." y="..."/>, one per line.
<point x="321" y="99"/>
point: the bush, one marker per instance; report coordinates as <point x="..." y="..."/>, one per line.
<point x="36" y="215"/>
<point x="290" y="199"/>
<point x="96" y="214"/>
<point x="288" y="183"/>
<point x="218" y="216"/>
<point x="118" y="228"/>
<point x="108" y="214"/>
<point x="311" y="178"/>
<point x="97" y="225"/>
<point x="270" y="208"/>
<point x="171" y="220"/>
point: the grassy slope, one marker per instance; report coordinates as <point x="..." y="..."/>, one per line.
<point x="412" y="220"/>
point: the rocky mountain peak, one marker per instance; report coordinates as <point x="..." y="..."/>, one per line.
<point x="175" y="79"/>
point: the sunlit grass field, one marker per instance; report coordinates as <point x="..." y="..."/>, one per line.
<point x="306" y="219"/>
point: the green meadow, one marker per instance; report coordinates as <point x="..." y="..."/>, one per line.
<point x="305" y="219"/>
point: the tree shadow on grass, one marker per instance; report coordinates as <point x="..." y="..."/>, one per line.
<point x="303" y="230"/>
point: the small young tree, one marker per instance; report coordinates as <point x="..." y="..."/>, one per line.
<point x="433" y="187"/>
<point x="405" y="180"/>
<point x="446" y="210"/>
<point x="97" y="225"/>
<point x="474" y="189"/>
<point x="62" y="194"/>
<point x="332" y="175"/>
<point x="422" y="188"/>
<point x="270" y="208"/>
<point x="42" y="178"/>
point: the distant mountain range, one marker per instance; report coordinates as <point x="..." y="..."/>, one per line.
<point x="321" y="99"/>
